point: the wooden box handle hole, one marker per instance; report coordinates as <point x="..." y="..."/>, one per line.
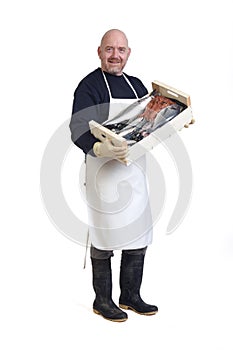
<point x="172" y="93"/>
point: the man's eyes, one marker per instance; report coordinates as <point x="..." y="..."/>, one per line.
<point x="120" y="49"/>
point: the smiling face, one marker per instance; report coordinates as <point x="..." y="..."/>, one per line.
<point x="114" y="52"/>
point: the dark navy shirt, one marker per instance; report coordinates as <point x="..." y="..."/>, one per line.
<point x="91" y="102"/>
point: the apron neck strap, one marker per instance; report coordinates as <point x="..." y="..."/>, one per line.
<point x="126" y="79"/>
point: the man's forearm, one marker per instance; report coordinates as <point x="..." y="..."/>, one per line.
<point x="86" y="142"/>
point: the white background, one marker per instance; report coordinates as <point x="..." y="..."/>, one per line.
<point x="46" y="296"/>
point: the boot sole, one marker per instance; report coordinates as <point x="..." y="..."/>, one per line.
<point x="109" y="319"/>
<point x="126" y="307"/>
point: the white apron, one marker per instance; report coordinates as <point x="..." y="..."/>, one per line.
<point x="119" y="214"/>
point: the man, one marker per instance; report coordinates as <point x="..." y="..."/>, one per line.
<point x="115" y="222"/>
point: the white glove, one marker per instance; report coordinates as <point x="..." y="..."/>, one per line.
<point x="191" y="122"/>
<point x="107" y="149"/>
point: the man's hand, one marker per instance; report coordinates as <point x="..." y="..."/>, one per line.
<point x="191" y="122"/>
<point x="107" y="149"/>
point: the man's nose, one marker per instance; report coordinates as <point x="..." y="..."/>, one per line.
<point x="115" y="52"/>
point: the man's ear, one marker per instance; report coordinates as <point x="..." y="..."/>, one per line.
<point x="129" y="52"/>
<point x="99" y="51"/>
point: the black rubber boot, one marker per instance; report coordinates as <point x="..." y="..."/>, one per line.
<point x="102" y="283"/>
<point x="130" y="283"/>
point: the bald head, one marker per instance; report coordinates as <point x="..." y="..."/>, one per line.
<point x="114" y="51"/>
<point x="113" y="33"/>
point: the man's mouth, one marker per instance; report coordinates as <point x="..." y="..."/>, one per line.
<point x="114" y="61"/>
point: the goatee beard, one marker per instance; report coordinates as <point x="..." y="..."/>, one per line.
<point x="115" y="71"/>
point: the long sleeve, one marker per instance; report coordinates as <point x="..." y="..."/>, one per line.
<point x="79" y="124"/>
<point x="91" y="102"/>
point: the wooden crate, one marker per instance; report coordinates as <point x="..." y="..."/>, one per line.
<point x="157" y="136"/>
